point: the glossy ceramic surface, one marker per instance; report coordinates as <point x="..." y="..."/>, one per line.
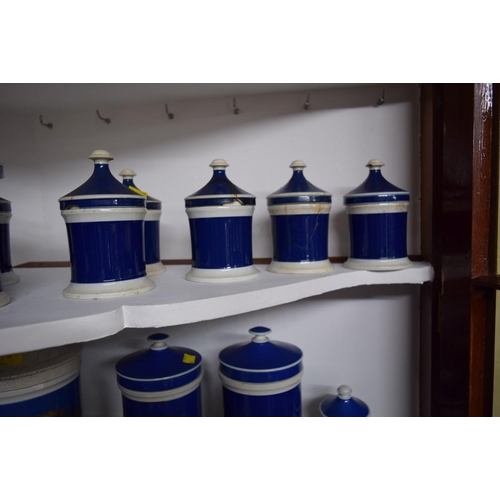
<point x="220" y="222"/>
<point x="344" y="405"/>
<point x="105" y="227"/>
<point x="161" y="380"/>
<point x="299" y="219"/>
<point x="261" y="378"/>
<point x="377" y="213"/>
<point x="7" y="275"/>
<point x="152" y="259"/>
<point x="41" y="383"/>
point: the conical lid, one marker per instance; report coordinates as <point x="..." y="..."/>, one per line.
<point x="344" y="405"/>
<point x="159" y="362"/>
<point x="376" y="188"/>
<point x="128" y="180"/>
<point x="101" y="184"/>
<point x="298" y="189"/>
<point x="219" y="190"/>
<point x="260" y="353"/>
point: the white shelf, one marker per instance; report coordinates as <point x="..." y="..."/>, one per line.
<point x="39" y="316"/>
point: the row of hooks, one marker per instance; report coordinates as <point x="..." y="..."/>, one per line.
<point x="236" y="110"/>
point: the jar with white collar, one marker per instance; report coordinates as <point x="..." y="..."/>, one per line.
<point x="162" y="381"/>
<point x="152" y="259"/>
<point x="220" y="222"/>
<point x="105" y="225"/>
<point x="300" y="214"/>
<point x="261" y="378"/>
<point x="377" y="213"/>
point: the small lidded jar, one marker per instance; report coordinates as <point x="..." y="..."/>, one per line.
<point x="343" y="405"/>
<point x="220" y="222"/>
<point x="261" y="378"/>
<point x="7" y="275"/>
<point x="152" y="258"/>
<point x="300" y="216"/>
<point x="377" y="223"/>
<point x="161" y="381"/>
<point x="105" y="224"/>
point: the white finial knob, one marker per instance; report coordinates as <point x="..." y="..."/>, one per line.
<point x="298" y="165"/>
<point x="219" y="164"/>
<point x="158" y="341"/>
<point x="260" y="333"/>
<point x="375" y="164"/>
<point x="101" y="156"/>
<point x="127" y="174"/>
<point x="344" y="392"/>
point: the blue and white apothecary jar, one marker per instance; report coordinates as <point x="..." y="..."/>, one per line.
<point x="220" y="221"/>
<point x="261" y="378"/>
<point x="105" y="225"/>
<point x="343" y="405"/>
<point x="162" y="381"/>
<point x="44" y="383"/>
<point x="154" y="264"/>
<point x="377" y="223"/>
<point x="299" y="217"/>
<point x="7" y="275"/>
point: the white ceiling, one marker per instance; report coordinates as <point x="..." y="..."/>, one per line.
<point x="37" y="97"/>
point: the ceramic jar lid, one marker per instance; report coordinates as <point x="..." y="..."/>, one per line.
<point x="159" y="368"/>
<point x="128" y="180"/>
<point x="376" y="189"/>
<point x="261" y="360"/>
<point x="102" y="188"/>
<point x="343" y="405"/>
<point x="219" y="190"/>
<point x="298" y="189"/>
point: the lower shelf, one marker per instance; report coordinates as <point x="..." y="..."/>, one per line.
<point x="39" y="316"/>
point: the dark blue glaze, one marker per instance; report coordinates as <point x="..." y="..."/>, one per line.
<point x="5" y="259"/>
<point x="151" y="203"/>
<point x="106" y="251"/>
<point x="103" y="203"/>
<point x="221" y="242"/>
<point x="64" y="402"/>
<point x="299" y="184"/>
<point x="219" y="185"/>
<point x="187" y="406"/>
<point x="100" y="182"/>
<point x="300" y="238"/>
<point x="337" y="407"/>
<point x="5" y="205"/>
<point x="261" y="377"/>
<point x="375" y="183"/>
<point x="152" y="241"/>
<point x="286" y="404"/>
<point x="378" y="236"/>
<point x="217" y="202"/>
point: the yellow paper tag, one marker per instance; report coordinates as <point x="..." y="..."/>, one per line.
<point x="11" y="360"/>
<point x="189" y="359"/>
<point x="138" y="191"/>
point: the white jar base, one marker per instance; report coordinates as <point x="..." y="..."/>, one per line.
<point x="4" y="298"/>
<point x="9" y="278"/>
<point x="155" y="269"/>
<point x="378" y="264"/>
<point x="222" y="275"/>
<point x="314" y="267"/>
<point x="111" y="290"/>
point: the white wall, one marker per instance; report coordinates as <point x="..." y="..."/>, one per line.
<point x="366" y="337"/>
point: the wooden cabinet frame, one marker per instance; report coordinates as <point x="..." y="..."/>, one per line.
<point x="459" y="160"/>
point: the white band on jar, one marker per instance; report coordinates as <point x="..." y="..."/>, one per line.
<point x="73" y="215"/>
<point x="300" y="209"/>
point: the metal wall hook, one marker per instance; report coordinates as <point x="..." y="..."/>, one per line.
<point x="307" y="103"/>
<point x="381" y="100"/>
<point x="107" y="120"/>
<point x="170" y="115"/>
<point x="235" y="109"/>
<point x="48" y="125"/>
